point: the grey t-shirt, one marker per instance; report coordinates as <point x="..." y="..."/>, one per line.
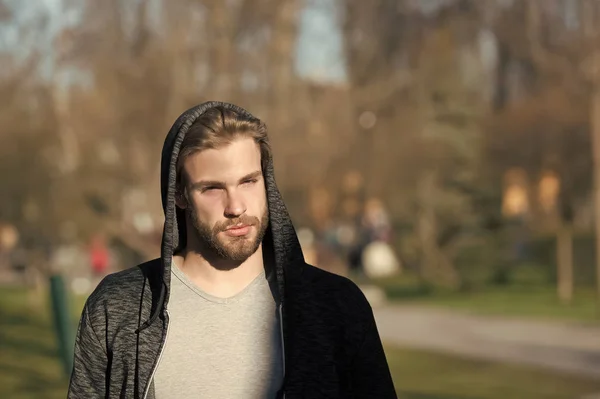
<point x="220" y="348"/>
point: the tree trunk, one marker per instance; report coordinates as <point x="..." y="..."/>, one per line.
<point x="589" y="11"/>
<point x="284" y="32"/>
<point x="223" y="51"/>
<point x="564" y="261"/>
<point x="595" y="126"/>
<point x="501" y="79"/>
<point x="437" y="267"/>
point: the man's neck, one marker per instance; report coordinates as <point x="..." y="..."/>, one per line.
<point x="215" y="280"/>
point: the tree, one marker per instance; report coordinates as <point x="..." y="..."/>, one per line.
<point x="571" y="63"/>
<point x="414" y="68"/>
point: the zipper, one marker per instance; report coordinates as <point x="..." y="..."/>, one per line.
<point x="158" y="361"/>
<point x="282" y="341"/>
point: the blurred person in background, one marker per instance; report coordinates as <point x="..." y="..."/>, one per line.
<point x="378" y="258"/>
<point x="231" y="309"/>
<point x="376" y="221"/>
<point x="99" y="257"/>
<point x="372" y="226"/>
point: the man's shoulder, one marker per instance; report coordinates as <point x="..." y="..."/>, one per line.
<point x="321" y="276"/>
<point x="334" y="288"/>
<point x="123" y="286"/>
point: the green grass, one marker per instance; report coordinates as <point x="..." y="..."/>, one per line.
<point x="540" y="303"/>
<point x="425" y="375"/>
<point x="29" y="367"/>
<point x="519" y="300"/>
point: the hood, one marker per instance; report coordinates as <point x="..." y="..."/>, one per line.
<point x="281" y="248"/>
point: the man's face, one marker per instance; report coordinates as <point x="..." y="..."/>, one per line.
<point x="226" y="199"/>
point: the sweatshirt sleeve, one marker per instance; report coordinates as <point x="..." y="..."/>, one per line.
<point x="89" y="375"/>
<point x="370" y="371"/>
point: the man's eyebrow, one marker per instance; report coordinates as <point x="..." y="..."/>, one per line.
<point x="219" y="184"/>
<point x="252" y="175"/>
<point x="207" y="183"/>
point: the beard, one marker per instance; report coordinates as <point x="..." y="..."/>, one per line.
<point x="227" y="248"/>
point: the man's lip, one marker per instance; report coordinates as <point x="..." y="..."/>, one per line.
<point x="238" y="226"/>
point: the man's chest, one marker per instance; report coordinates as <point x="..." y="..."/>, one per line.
<point x="221" y="350"/>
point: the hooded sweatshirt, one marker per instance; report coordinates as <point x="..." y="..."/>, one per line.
<point x="330" y="341"/>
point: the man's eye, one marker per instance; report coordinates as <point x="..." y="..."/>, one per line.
<point x="210" y="188"/>
<point x="250" y="181"/>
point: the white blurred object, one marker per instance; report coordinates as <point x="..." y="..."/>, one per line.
<point x="68" y="259"/>
<point x="143" y="222"/>
<point x="306" y="237"/>
<point x="375" y="295"/>
<point x="379" y="260"/>
<point x="367" y="120"/>
<point x="81" y="286"/>
<point x="307" y="240"/>
<point x="9" y="237"/>
<point x="345" y="235"/>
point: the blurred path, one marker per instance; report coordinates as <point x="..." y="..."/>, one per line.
<point x="572" y="348"/>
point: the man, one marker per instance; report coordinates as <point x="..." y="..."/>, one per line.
<point x="230" y="310"/>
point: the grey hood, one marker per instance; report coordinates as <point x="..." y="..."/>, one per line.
<point x="281" y="248"/>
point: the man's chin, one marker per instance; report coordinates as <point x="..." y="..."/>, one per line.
<point x="231" y="260"/>
<point x="238" y="249"/>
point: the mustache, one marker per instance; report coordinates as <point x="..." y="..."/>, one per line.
<point x="244" y="219"/>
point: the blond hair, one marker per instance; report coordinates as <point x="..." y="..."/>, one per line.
<point x="218" y="127"/>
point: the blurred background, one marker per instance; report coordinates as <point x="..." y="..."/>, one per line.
<point x="444" y="154"/>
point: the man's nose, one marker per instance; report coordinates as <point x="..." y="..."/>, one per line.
<point x="235" y="206"/>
